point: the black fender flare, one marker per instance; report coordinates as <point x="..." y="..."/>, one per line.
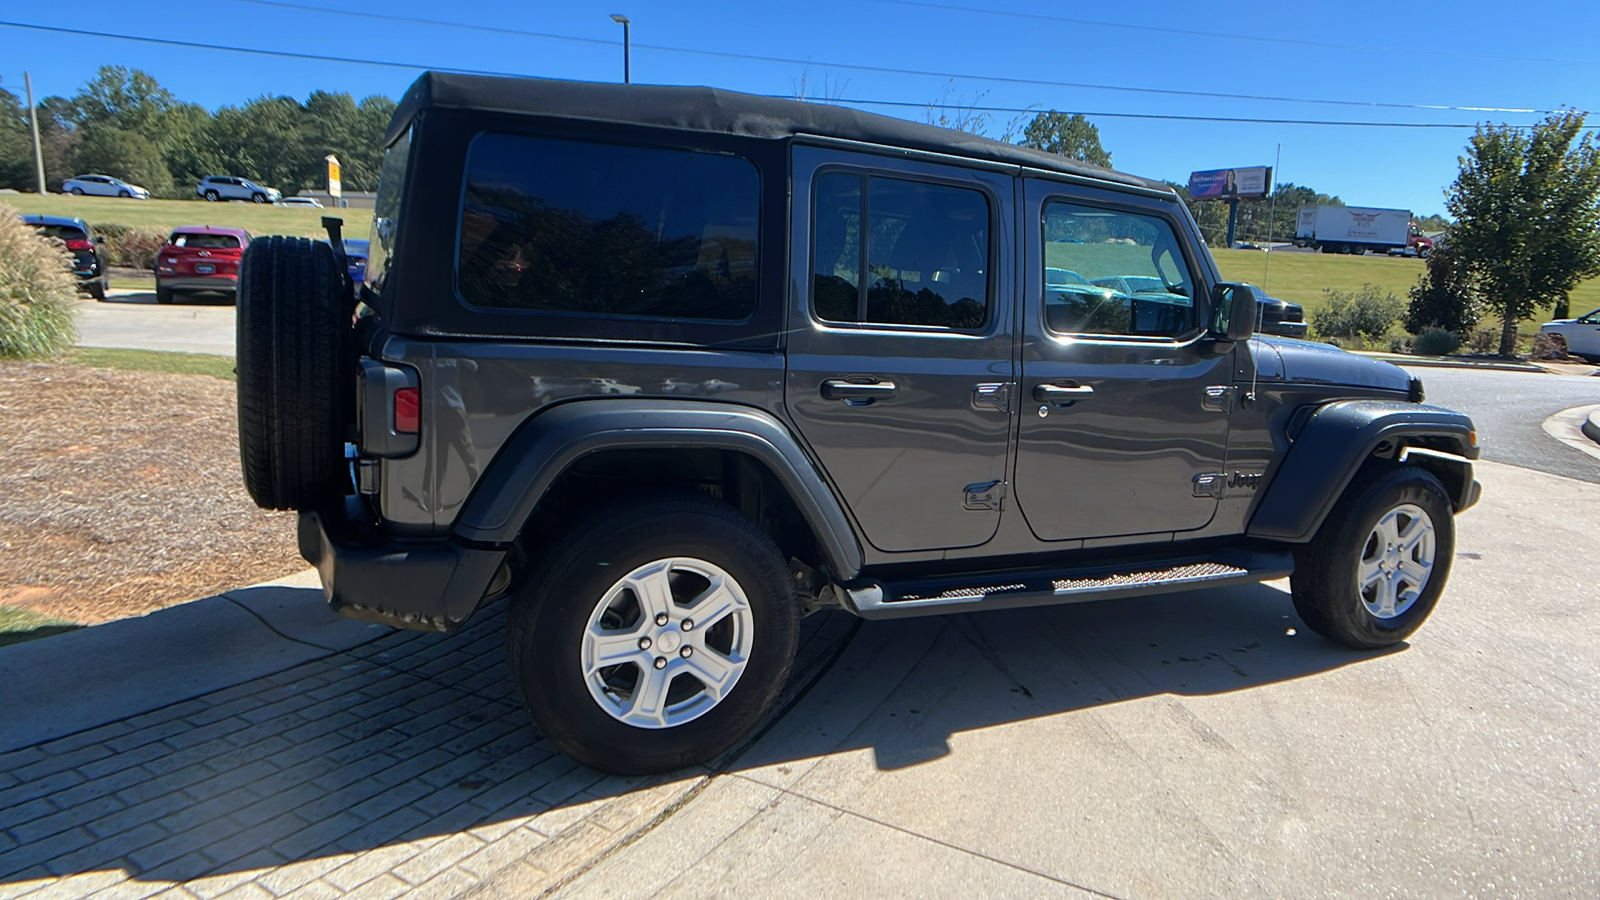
<point x="551" y="441"/>
<point x="1334" y="443"/>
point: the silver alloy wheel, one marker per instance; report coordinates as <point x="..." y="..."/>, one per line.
<point x="667" y="642"/>
<point x="1397" y="560"/>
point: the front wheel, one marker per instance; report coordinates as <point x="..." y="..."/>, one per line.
<point x="655" y="635"/>
<point x="1377" y="566"/>
<point x="258" y="198"/>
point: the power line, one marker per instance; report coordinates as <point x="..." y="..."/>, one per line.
<point x="1185" y="32"/>
<point x="289" y="54"/>
<point x="890" y="70"/>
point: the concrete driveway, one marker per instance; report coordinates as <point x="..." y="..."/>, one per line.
<point x="1200" y="745"/>
<point x="195" y="323"/>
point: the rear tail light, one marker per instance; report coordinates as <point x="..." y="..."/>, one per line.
<point x="407" y="410"/>
<point x="80" y="245"/>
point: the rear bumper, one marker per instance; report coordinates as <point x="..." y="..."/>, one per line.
<point x="226" y="283"/>
<point x="424" y="585"/>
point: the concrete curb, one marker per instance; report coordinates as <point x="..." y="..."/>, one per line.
<point x="1440" y="362"/>
<point x="82" y="679"/>
<point x="1591" y="426"/>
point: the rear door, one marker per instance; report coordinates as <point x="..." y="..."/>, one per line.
<point x="900" y="342"/>
<point x="1127" y="404"/>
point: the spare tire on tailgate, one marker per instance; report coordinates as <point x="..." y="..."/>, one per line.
<point x="294" y="365"/>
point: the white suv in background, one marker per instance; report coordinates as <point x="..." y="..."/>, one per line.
<point x="229" y="187"/>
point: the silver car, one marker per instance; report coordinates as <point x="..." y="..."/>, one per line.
<point x="1582" y="334"/>
<point x="230" y="187"/>
<point x="103" y="186"/>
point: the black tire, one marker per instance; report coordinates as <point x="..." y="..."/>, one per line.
<point x="97" y="290"/>
<point x="295" y="371"/>
<point x="163" y="294"/>
<point x="551" y="613"/>
<point x="212" y="196"/>
<point x="258" y="198"/>
<point x="77" y="191"/>
<point x="1326" y="583"/>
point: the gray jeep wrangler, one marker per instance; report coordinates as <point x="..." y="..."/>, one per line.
<point x="674" y="367"/>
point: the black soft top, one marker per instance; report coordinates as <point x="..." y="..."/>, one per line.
<point x="719" y="111"/>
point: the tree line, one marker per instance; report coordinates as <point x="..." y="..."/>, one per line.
<point x="123" y="123"/>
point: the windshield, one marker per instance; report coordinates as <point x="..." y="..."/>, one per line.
<point x="386" y="211"/>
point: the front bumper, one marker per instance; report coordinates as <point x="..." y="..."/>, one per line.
<point x="420" y="585"/>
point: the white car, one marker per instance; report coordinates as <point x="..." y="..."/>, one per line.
<point x="312" y="202"/>
<point x="230" y="187"/>
<point x="103" y="186"/>
<point x="1582" y="334"/>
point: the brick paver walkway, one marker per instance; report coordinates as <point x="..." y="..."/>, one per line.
<point x="405" y="766"/>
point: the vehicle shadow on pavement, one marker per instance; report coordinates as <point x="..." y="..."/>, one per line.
<point x="380" y="752"/>
<point x="906" y="687"/>
<point x="411" y="757"/>
<point x="142" y="297"/>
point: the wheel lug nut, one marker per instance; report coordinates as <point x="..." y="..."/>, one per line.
<point x="686" y="652"/>
<point x="661" y="618"/>
<point x="688" y="625"/>
<point x="661" y="662"/>
<point x="644" y="643"/>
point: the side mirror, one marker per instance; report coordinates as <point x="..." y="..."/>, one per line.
<point x="99" y="239"/>
<point x="1234" y="311"/>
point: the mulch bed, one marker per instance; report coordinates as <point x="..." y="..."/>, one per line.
<point x="120" y="494"/>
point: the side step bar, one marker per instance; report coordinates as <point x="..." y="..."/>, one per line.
<point x="877" y="600"/>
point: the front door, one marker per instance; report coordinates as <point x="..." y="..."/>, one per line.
<point x="1125" y="402"/>
<point x="900" y="342"/>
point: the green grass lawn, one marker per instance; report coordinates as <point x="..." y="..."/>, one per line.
<point x="252" y="217"/>
<point x="153" y="361"/>
<point x="1301" y="277"/>
<point x="18" y="625"/>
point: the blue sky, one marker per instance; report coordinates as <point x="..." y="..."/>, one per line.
<point x="977" y="52"/>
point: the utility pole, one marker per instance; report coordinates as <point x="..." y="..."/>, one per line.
<point x="33" y="121"/>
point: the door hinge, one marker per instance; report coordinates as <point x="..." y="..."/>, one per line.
<point x="987" y="495"/>
<point x="1219" y="397"/>
<point x="1210" y="484"/>
<point x="992" y="395"/>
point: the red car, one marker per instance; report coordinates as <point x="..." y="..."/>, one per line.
<point x="200" y="258"/>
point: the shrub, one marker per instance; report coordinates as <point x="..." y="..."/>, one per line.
<point x="1485" y="340"/>
<point x="1549" y="346"/>
<point x="1399" y="343"/>
<point x="38" y="295"/>
<point x="1435" y="341"/>
<point x="134" y="248"/>
<point x="1365" y="314"/>
<point x="109" y="230"/>
<point x="1445" y="296"/>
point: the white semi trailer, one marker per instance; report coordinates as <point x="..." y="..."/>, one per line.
<point x="1356" y="229"/>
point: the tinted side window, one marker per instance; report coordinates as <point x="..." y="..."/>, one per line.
<point x="602" y="229"/>
<point x="927" y="252"/>
<point x="1111" y="272"/>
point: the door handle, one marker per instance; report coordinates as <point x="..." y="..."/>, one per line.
<point x="1056" y="393"/>
<point x="839" y="389"/>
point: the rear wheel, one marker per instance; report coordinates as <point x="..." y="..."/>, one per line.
<point x="211" y="196"/>
<point x="655" y="635"/>
<point x="163" y="294"/>
<point x="1376" y="568"/>
<point x="78" y="191"/>
<point x="97" y="290"/>
<point x="295" y="369"/>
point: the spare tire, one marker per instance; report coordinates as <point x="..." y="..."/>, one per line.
<point x="295" y="367"/>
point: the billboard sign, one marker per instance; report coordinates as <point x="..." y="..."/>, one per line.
<point x="1250" y="183"/>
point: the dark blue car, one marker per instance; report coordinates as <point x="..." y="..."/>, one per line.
<point x="84" y="245"/>
<point x="355" y="252"/>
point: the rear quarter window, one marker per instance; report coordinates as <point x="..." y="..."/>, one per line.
<point x="567" y="226"/>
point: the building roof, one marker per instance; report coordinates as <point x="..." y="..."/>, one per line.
<point x="719" y="111"/>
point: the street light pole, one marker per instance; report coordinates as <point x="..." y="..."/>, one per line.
<point x="620" y="19"/>
<point x="33" y="124"/>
